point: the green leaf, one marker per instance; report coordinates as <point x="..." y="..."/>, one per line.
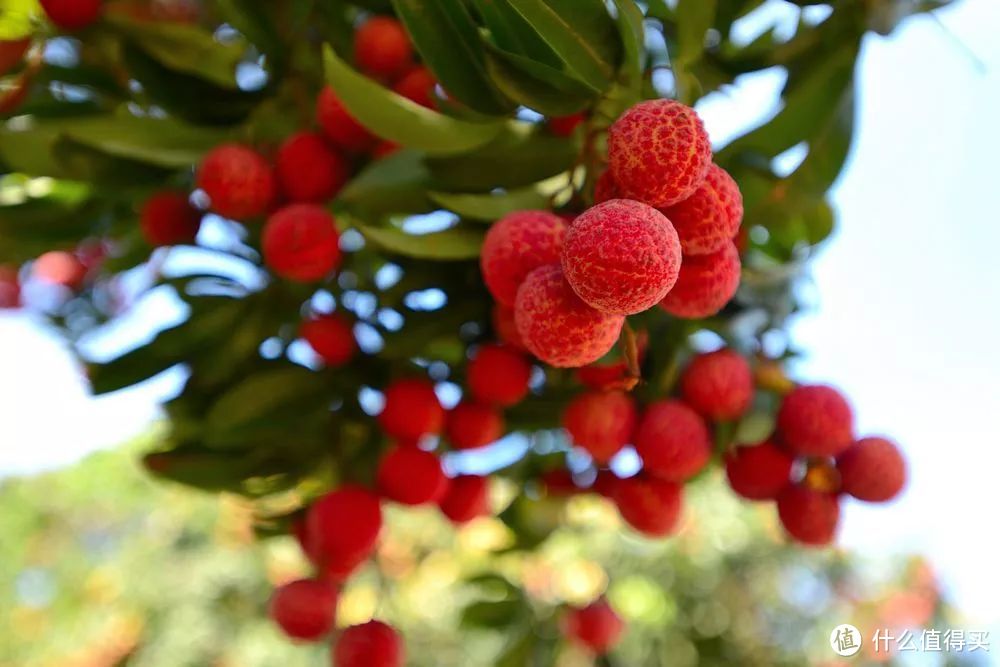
<point x="397" y="119"/>
<point x="538" y="86"/>
<point x="694" y="18"/>
<point x="633" y="36"/>
<point x="458" y="243"/>
<point x="494" y="206"/>
<point x="17" y="18"/>
<point x="210" y="471"/>
<point x="395" y="184"/>
<point x="509" y="31"/>
<point x="492" y="614"/>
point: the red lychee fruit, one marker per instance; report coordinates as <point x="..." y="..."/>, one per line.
<point x="719" y="385"/>
<point x="557" y="326"/>
<point x="12" y="52"/>
<point x="872" y="469"/>
<point x="706" y="283"/>
<point x="650" y="505"/>
<point x="673" y="441"/>
<point x="58" y="267"/>
<point x="168" y="218"/>
<point x="417" y="85"/>
<point x="385" y="149"/>
<point x="470" y="425"/>
<point x="467" y="497"/>
<point x="621" y="257"/>
<point x="711" y="217"/>
<point x="516" y="245"/>
<point x="10" y="288"/>
<point x="815" y="420"/>
<point x="505" y="328"/>
<point x="564" y="126"/>
<point x="412" y="410"/>
<point x="411" y="476"/>
<point x="339" y="126"/>
<point x="382" y="48"/>
<point x="331" y="337"/>
<point x="343" y="526"/>
<point x="596" y="627"/>
<point x="308" y="170"/>
<point x="601" y="422"/>
<point x="559" y="483"/>
<point x="809" y="516"/>
<point x="304" y="609"/>
<point x="659" y="152"/>
<point x="498" y="375"/>
<point x="71" y="14"/>
<point x="301" y="243"/>
<point x="758" y="472"/>
<point x="239" y="182"/>
<point x="605" y="188"/>
<point x="373" y="644"/>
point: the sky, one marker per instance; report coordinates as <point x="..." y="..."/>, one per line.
<point x="904" y="319"/>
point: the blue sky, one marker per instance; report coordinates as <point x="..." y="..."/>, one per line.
<point x="905" y="319"/>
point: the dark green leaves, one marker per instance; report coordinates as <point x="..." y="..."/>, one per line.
<point x="459" y="243"/>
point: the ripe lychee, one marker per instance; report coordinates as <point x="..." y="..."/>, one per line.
<point x="373" y="644"/>
<point x="621" y="257"/>
<point x="339" y="126"/>
<point x="467" y="497"/>
<point x="601" y="422"/>
<point x="331" y="337"/>
<point x="659" y="152"/>
<point x="301" y="243"/>
<point x="809" y="516"/>
<point x="673" y="441"/>
<point x="72" y="14"/>
<point x="557" y="326"/>
<point x="382" y="48"/>
<point x="304" y="609"/>
<point x="470" y="425"/>
<point x="516" y="245"/>
<point x="238" y="181"/>
<point x="872" y="469"/>
<point x="308" y="170"/>
<point x="758" y="472"/>
<point x="605" y="188"/>
<point x="505" y="328"/>
<point x="411" y="476"/>
<point x="343" y="525"/>
<point x="498" y="375"/>
<point x="10" y="288"/>
<point x="706" y="283"/>
<point x="596" y="627"/>
<point x="815" y="420"/>
<point x="719" y="385"/>
<point x="412" y="410"/>
<point x="12" y="52"/>
<point x="650" y="505"/>
<point x="559" y="483"/>
<point x="417" y="85"/>
<point x="58" y="267"/>
<point x="168" y="218"/>
<point x="564" y="126"/>
<point x="709" y="218"/>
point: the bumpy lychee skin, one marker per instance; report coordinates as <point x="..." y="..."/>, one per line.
<point x="706" y="283"/>
<point x="673" y="441"/>
<point x="605" y="188"/>
<point x="758" y="472"/>
<point x="516" y="245"/>
<point x="470" y="425"/>
<point x="331" y="337"/>
<point x="601" y="422"/>
<point x="652" y="506"/>
<point x="72" y="14"/>
<point x="621" y="257"/>
<point x="339" y="126"/>
<point x="872" y="469"/>
<point x="381" y="47"/>
<point x="373" y="644"/>
<point x="596" y="627"/>
<point x="308" y="170"/>
<point x="719" y="385"/>
<point x="417" y="85"/>
<point x="343" y="525"/>
<point x="412" y="410"/>
<point x="301" y="243"/>
<point x="659" y="152"/>
<point x="710" y="217"/>
<point x="467" y="497"/>
<point x="505" y="328"/>
<point x="557" y="326"/>
<point x="304" y="609"/>
<point x="168" y="218"/>
<point x="10" y="288"/>
<point x="238" y="181"/>
<point x="411" y="476"/>
<point x="815" y="420"/>
<point x="499" y="375"/>
<point x="12" y="52"/>
<point x="810" y="517"/>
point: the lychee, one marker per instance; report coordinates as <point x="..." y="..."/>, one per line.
<point x="557" y="326"/>
<point x="758" y="472"/>
<point x="498" y="375"/>
<point x="815" y="420"/>
<point x="168" y="218"/>
<point x="239" y="182"/>
<point x="872" y="469"/>
<point x="505" y="328"/>
<point x="659" y="152"/>
<point x="58" y="267"/>
<point x="381" y="47"/>
<point x="718" y="384"/>
<point x="331" y="337"/>
<point x="72" y="14"/>
<point x="343" y="526"/>
<point x="706" y="283"/>
<point x="596" y="626"/>
<point x="467" y="497"/>
<point x="417" y="85"/>
<point x="384" y="149"/>
<point x="470" y="425"/>
<point x="709" y="218"/>
<point x="621" y="257"/>
<point x="339" y="126"/>
<point x="301" y="243"/>
<point x="412" y="410"/>
<point x="304" y="609"/>
<point x="373" y="644"/>
<point x="564" y="126"/>
<point x="605" y="188"/>
<point x="308" y="170"/>
<point x="809" y="516"/>
<point x="559" y="483"/>
<point x="650" y="505"/>
<point x="601" y="422"/>
<point x="12" y="52"/>
<point x="516" y="245"/>
<point x="673" y="441"/>
<point x="411" y="476"/>
<point x="10" y="288"/>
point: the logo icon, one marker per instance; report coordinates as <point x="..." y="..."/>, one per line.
<point x="845" y="640"/>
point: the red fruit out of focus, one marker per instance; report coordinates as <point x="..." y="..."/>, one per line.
<point x="411" y="476"/>
<point x="601" y="422"/>
<point x="651" y="506"/>
<point x="239" y="182"/>
<point x="467" y="497"/>
<point x="470" y="425"/>
<point x="505" y="327"/>
<point x="596" y="626"/>
<point x="382" y="48"/>
<point x="412" y="410"/>
<point x="58" y="267"/>
<point x="417" y="85"/>
<point x="872" y="469"/>
<point x="564" y="126"/>
<point x="168" y="218"/>
<point x="719" y="385"/>
<point x="331" y="337"/>
<point x="301" y="243"/>
<point x="10" y="288"/>
<point x="72" y="14"/>
<point x="499" y="375"/>
<point x="810" y="517"/>
<point x="12" y="52"/>
<point x="758" y="472"/>
<point x="339" y="126"/>
<point x="815" y="420"/>
<point x="673" y="441"/>
<point x="308" y="170"/>
<point x="343" y="526"/>
<point x="304" y="609"/>
<point x="373" y="644"/>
